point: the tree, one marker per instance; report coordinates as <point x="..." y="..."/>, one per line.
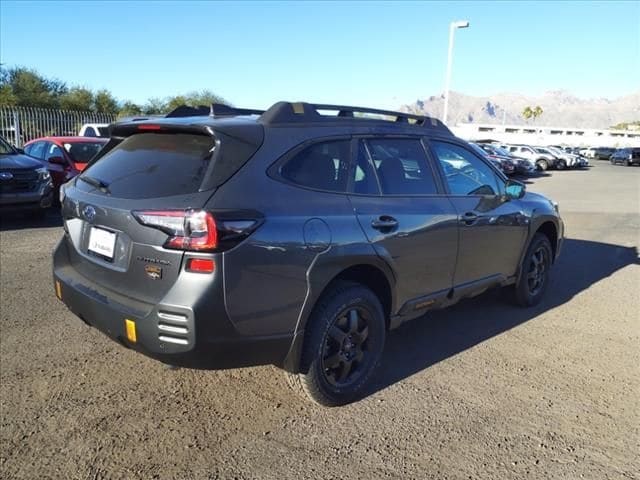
<point x="104" y="102"/>
<point x="24" y="87"/>
<point x="537" y="112"/>
<point x="130" y="109"/>
<point x="154" y="106"/>
<point x="527" y="113"/>
<point x="77" y="98"/>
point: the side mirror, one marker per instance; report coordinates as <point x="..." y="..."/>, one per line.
<point x="514" y="189"/>
<point x="57" y="160"/>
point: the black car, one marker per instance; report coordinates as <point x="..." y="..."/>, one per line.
<point x="603" y="153"/>
<point x="296" y="236"/>
<point x="521" y="166"/>
<point x="25" y="183"/>
<point x="626" y="156"/>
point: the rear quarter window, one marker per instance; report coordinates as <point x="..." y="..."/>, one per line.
<point x="149" y="165"/>
<point x="321" y="166"/>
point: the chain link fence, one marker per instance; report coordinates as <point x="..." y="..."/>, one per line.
<point x="21" y="124"/>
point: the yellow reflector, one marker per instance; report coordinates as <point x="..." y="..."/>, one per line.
<point x="58" y="290"/>
<point x="131" y="330"/>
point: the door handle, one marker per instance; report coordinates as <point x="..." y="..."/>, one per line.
<point x="384" y="222"/>
<point x="469" y="218"/>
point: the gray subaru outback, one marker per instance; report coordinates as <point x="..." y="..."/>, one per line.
<point x="296" y="236"/>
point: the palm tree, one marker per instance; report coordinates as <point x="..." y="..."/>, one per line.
<point x="537" y="112"/>
<point x="527" y="113"/>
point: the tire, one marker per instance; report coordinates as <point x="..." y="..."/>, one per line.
<point x="561" y="165"/>
<point x="534" y="272"/>
<point x="343" y="344"/>
<point x="542" y="164"/>
<point x="627" y="163"/>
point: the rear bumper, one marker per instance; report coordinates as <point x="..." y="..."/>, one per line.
<point x="195" y="334"/>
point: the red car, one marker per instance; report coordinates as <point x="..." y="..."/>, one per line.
<point x="66" y="156"/>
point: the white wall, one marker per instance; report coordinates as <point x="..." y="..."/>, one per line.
<point x="540" y="135"/>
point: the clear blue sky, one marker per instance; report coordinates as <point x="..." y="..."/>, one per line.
<point x="368" y="53"/>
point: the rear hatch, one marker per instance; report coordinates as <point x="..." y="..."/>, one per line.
<point x="148" y="168"/>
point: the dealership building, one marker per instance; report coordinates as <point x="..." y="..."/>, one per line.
<point x="540" y="135"/>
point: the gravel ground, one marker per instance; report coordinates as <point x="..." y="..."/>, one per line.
<point x="481" y="390"/>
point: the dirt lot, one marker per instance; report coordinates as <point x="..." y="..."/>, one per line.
<point x="482" y="390"/>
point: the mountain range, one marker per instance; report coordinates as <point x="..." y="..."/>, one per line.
<point x="560" y="109"/>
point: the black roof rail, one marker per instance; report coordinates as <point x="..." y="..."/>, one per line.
<point x="215" y="110"/>
<point x="186" y="111"/>
<point x="289" y="112"/>
<point x="222" y="110"/>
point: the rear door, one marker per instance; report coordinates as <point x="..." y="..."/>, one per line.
<point x="146" y="171"/>
<point x="493" y="230"/>
<point x="405" y="215"/>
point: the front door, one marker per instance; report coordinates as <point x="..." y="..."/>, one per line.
<point x="493" y="229"/>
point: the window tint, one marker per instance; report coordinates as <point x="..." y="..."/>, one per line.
<point x="53" y="151"/>
<point x="364" y="181"/>
<point x="82" y="152"/>
<point x="37" y="150"/>
<point x="465" y="173"/>
<point x="324" y="166"/>
<point x="6" y="149"/>
<point x="150" y="165"/>
<point x="401" y="165"/>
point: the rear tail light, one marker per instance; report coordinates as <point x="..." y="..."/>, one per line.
<point x="196" y="230"/>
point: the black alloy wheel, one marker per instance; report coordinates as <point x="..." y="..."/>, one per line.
<point x="344" y="339"/>
<point x="346" y="348"/>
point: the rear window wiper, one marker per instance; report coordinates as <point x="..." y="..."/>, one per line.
<point x="95" y="182"/>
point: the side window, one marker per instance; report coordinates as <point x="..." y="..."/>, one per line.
<point x="53" y="151"/>
<point x="89" y="132"/>
<point x="36" y="150"/>
<point x="324" y="166"/>
<point x="465" y="173"/>
<point x="364" y="178"/>
<point x="402" y="167"/>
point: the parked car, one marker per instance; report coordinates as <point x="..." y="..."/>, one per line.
<point x="25" y="183"/>
<point x="566" y="159"/>
<point x="292" y="238"/>
<point x="66" y="157"/>
<point x="511" y="165"/>
<point x="94" y="130"/>
<point x="559" y="162"/>
<point x="504" y="164"/>
<point x="589" y="152"/>
<point x="542" y="161"/>
<point x="603" y="153"/>
<point x="626" y="156"/>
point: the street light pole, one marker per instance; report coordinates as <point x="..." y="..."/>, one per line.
<point x="452" y="28"/>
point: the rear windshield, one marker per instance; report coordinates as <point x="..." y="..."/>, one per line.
<point x="82" y="152"/>
<point x="150" y="165"/>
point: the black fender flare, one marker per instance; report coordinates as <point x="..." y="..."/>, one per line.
<point x="324" y="269"/>
<point x="536" y="222"/>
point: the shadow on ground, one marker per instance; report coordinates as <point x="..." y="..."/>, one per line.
<point x="441" y="334"/>
<point x="19" y="221"/>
